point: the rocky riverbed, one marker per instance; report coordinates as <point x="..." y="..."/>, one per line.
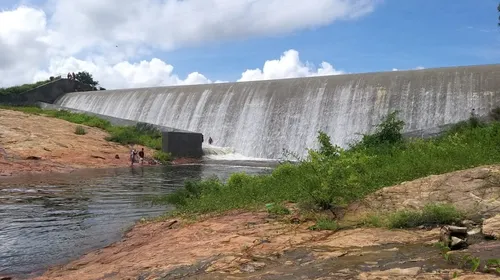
<point x="255" y="245"/>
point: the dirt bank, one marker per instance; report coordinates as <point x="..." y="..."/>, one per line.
<point x="242" y="245"/>
<point x="36" y="144"/>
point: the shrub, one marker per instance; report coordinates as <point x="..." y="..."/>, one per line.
<point x="431" y="215"/>
<point x="325" y="224"/>
<point x="331" y="177"/>
<point x="389" y="131"/>
<point x="80" y="130"/>
<point x="277" y="209"/>
<point x="162" y="157"/>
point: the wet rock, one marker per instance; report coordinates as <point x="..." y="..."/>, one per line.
<point x="454" y="237"/>
<point x="5" y="278"/>
<point x="491" y="227"/>
<point x="457" y="243"/>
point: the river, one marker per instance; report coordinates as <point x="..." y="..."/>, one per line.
<point x="46" y="220"/>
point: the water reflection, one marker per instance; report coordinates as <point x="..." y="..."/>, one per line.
<point x="50" y="219"/>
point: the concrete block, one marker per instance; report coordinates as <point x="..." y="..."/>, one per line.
<point x="182" y="144"/>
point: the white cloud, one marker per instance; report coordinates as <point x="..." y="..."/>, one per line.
<point x="171" y="24"/>
<point x="102" y="37"/>
<point x="288" y="66"/>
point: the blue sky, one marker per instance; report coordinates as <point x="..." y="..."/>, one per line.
<point x="399" y="34"/>
<point x="402" y="34"/>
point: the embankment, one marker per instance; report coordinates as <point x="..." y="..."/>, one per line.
<point x="259" y="119"/>
<point x="36" y="144"/>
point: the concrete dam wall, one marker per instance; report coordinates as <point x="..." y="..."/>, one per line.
<point x="260" y="119"/>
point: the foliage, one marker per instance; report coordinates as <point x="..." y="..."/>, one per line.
<point x="387" y="133"/>
<point x="80" y="130"/>
<point x="432" y="214"/>
<point x="325" y="224"/>
<point x="162" y="157"/>
<point x="141" y="134"/>
<point x="22" y="88"/>
<point x="86" y="78"/>
<point x="277" y="209"/>
<point x="331" y="177"/>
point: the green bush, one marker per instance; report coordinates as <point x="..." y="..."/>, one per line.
<point x="22" y="88"/>
<point x="325" y="224"/>
<point x="331" y="177"/>
<point x="431" y="215"/>
<point x="162" y="157"/>
<point x="80" y="130"/>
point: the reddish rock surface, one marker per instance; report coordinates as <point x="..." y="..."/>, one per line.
<point x="53" y="146"/>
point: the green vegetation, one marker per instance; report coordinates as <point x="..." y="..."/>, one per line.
<point x="330" y="178"/>
<point x="277" y="209"/>
<point x="141" y="134"/>
<point x="21" y="88"/>
<point x="431" y="215"/>
<point x="80" y="130"/>
<point x="324" y="224"/>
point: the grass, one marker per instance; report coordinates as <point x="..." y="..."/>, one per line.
<point x="141" y="134"/>
<point x="325" y="224"/>
<point x="331" y="177"/>
<point x="430" y="215"/>
<point x="80" y="130"/>
<point x="21" y="88"/>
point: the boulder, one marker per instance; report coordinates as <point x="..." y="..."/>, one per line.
<point x="491" y="227"/>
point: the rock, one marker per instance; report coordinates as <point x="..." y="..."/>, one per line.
<point x="474" y="231"/>
<point x="288" y="263"/>
<point x="491" y="227"/>
<point x="454" y="229"/>
<point x="468" y="223"/>
<point x="457" y="243"/>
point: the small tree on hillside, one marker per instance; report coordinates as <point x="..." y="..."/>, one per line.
<point x="86" y="78"/>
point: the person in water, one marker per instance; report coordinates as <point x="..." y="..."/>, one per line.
<point x="133" y="153"/>
<point x="141" y="156"/>
<point x="210" y="141"/>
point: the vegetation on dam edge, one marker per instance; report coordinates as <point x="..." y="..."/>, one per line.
<point x="141" y="134"/>
<point x="330" y="178"/>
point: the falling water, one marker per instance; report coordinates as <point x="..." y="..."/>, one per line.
<point x="260" y="119"/>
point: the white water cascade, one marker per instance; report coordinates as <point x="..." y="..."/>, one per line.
<point x="260" y="119"/>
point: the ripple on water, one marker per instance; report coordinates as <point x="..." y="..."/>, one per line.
<point x="50" y="219"/>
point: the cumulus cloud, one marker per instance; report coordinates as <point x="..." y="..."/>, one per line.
<point x="102" y="37"/>
<point x="288" y="66"/>
<point x="171" y="24"/>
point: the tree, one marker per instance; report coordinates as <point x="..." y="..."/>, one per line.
<point x="498" y="8"/>
<point x="86" y="78"/>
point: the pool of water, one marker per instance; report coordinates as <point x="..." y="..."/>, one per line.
<point x="47" y="220"/>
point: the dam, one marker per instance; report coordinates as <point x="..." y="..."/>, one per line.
<point x="261" y="118"/>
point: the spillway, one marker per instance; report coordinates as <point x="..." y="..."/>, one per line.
<point x="261" y="118"/>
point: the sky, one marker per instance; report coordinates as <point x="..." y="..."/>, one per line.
<point x="131" y="43"/>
